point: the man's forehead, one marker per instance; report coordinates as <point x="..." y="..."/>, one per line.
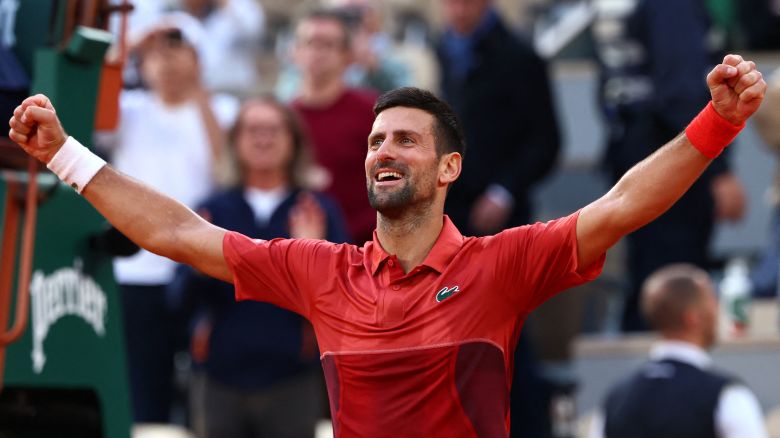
<point x="403" y="119"/>
<point x="320" y="25"/>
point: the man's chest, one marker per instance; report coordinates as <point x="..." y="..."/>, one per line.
<point x="424" y="308"/>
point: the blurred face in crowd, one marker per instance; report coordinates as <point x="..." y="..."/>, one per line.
<point x="464" y="15"/>
<point x="263" y="141"/>
<point x="708" y="313"/>
<point x="198" y="7"/>
<point x="322" y="48"/>
<point x="403" y="167"/>
<point x="169" y="67"/>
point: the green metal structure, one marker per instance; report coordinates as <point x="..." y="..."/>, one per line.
<point x="66" y="375"/>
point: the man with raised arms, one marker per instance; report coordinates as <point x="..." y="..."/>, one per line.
<point x="416" y="327"/>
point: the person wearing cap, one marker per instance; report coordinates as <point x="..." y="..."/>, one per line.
<point x="180" y="162"/>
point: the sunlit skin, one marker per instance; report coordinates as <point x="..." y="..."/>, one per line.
<point x="403" y="141"/>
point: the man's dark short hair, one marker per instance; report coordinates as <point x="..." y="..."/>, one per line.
<point x="669" y="292"/>
<point x="447" y="130"/>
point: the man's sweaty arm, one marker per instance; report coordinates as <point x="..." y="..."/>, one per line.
<point x="652" y="186"/>
<point x="152" y="220"/>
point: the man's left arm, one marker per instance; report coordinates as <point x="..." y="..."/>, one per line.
<point x="652" y="186"/>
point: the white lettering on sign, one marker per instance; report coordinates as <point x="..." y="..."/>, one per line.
<point x="8" y="9"/>
<point x="66" y="291"/>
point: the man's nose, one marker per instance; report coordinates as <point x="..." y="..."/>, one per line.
<point x="386" y="151"/>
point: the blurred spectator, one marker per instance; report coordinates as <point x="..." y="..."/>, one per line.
<point x="760" y="21"/>
<point x="227" y="34"/>
<point x="338" y="118"/>
<point x="654" y="57"/>
<point x="169" y="137"/>
<point x="415" y="50"/>
<point x="373" y="62"/>
<point x="676" y="393"/>
<point x="262" y="377"/>
<point x="765" y="276"/>
<point x="230" y="51"/>
<point x="499" y="88"/>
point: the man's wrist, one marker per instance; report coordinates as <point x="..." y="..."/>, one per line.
<point x="710" y="133"/>
<point x="75" y="165"/>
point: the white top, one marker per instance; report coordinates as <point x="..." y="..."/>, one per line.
<point x="168" y="149"/>
<point x="228" y="40"/>
<point x="231" y="50"/>
<point x="738" y="414"/>
<point x="264" y="202"/>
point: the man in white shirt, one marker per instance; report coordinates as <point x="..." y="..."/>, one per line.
<point x="677" y="393"/>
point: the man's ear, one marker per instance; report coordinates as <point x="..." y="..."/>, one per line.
<point x="450" y="166"/>
<point x="692" y="318"/>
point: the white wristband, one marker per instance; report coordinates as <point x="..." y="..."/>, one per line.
<point x="75" y="164"/>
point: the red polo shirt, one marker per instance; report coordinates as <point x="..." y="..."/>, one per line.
<point x="427" y="353"/>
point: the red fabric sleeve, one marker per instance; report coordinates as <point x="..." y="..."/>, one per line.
<point x="278" y="271"/>
<point x="540" y="260"/>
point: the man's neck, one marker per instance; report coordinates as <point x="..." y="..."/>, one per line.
<point x="321" y="93"/>
<point x="172" y="99"/>
<point x="410" y="237"/>
<point x="685" y="337"/>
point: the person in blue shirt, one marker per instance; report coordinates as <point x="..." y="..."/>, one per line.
<point x="261" y="376"/>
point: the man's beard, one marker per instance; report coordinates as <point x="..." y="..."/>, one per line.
<point x="390" y="203"/>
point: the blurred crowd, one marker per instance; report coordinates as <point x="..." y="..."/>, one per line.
<point x="255" y="113"/>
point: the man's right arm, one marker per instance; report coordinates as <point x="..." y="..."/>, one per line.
<point x="158" y="223"/>
<point x="150" y="219"/>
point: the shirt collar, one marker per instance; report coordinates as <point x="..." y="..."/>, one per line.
<point x="682" y="352"/>
<point x="447" y="245"/>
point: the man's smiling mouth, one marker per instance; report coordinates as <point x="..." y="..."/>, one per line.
<point x="388" y="176"/>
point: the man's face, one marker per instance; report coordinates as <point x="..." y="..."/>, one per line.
<point x="464" y="15"/>
<point x="709" y="314"/>
<point x="321" y="49"/>
<point x="402" y="166"/>
<point x="263" y="142"/>
<point x="169" y="66"/>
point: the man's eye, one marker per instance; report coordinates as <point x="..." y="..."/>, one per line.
<point x="406" y="140"/>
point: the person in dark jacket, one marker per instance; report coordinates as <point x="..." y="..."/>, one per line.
<point x="652" y="57"/>
<point x="489" y="76"/>
<point x="260" y="361"/>
<point x="677" y="393"/>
